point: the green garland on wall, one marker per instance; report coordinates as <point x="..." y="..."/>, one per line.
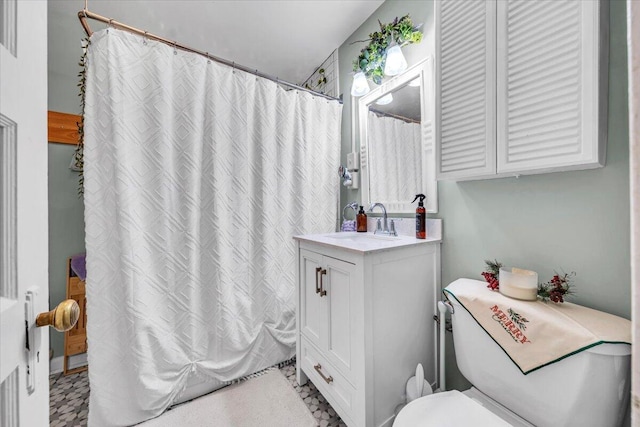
<point x="78" y="155"/>
<point x="372" y="58"/>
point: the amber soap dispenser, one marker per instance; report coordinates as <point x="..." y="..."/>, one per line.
<point x="361" y="220"/>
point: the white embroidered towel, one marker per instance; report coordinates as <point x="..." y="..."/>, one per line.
<point x="534" y="333"/>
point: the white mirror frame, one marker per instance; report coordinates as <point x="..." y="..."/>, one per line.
<point x="424" y="71"/>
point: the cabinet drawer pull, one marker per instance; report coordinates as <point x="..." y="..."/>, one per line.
<point x="322" y="291"/>
<point x="318" y="270"/>
<point x="318" y="368"/>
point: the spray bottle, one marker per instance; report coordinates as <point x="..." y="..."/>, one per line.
<point x="421" y="217"/>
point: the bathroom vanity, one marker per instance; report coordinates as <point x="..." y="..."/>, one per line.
<point x="365" y="319"/>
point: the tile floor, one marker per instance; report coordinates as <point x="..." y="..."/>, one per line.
<point x="69" y="400"/>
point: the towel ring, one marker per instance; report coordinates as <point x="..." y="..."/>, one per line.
<point x="353" y="206"/>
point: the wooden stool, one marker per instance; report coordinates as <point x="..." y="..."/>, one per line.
<point x="75" y="340"/>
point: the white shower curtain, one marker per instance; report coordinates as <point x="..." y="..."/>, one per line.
<point x="395" y="157"/>
<point x="196" y="178"/>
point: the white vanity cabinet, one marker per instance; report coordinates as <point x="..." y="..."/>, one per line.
<point x="521" y="87"/>
<point x="365" y="319"/>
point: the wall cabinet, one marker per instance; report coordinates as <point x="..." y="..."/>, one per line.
<point x="521" y="87"/>
<point x="365" y="320"/>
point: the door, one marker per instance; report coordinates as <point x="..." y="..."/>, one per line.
<point x="339" y="287"/>
<point x="550" y="87"/>
<point x="24" y="292"/>
<point x="465" y="88"/>
<point x="633" y="36"/>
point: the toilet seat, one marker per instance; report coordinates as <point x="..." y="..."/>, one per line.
<point x="447" y="409"/>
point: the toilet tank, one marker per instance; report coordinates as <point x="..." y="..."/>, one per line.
<point x="590" y="388"/>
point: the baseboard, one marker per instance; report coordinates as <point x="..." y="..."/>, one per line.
<point x="75" y="361"/>
<point x="388" y="422"/>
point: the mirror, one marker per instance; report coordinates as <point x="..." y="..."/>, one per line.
<point x="395" y="123"/>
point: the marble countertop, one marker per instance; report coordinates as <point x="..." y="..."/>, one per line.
<point x="368" y="242"/>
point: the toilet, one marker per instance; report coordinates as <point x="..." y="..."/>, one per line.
<point x="590" y="388"/>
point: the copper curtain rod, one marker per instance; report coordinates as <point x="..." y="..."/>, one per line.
<point x="85" y="14"/>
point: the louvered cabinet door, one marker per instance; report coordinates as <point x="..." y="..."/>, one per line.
<point x="465" y="88"/>
<point x="548" y="91"/>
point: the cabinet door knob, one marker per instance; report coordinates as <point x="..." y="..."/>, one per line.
<point x="328" y="379"/>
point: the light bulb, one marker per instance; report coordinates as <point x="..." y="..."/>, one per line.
<point x="360" y="85"/>
<point x="387" y="99"/>
<point x="395" y="62"/>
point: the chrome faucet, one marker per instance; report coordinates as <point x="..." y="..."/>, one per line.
<point x="385" y="227"/>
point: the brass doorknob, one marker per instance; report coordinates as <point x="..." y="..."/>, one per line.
<point x="63" y="317"/>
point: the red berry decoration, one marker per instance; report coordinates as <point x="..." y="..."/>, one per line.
<point x="491" y="275"/>
<point x="557" y="288"/>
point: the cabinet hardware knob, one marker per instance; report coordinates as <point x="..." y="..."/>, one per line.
<point x="318" y="368"/>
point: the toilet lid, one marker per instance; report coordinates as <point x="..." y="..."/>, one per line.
<point x="447" y="409"/>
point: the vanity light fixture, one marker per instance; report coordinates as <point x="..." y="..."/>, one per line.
<point x="387" y="99"/>
<point x="383" y="56"/>
<point x="395" y="62"/>
<point x="360" y="85"/>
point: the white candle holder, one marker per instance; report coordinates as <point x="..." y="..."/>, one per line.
<point x="519" y="284"/>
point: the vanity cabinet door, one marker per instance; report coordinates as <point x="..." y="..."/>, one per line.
<point x="465" y="88"/>
<point x="547" y="86"/>
<point x="341" y="312"/>
<point x="313" y="307"/>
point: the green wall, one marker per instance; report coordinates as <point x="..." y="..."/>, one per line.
<point x="66" y="209"/>
<point x="575" y="221"/>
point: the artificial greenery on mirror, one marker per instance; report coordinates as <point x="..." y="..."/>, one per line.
<point x="372" y="58"/>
